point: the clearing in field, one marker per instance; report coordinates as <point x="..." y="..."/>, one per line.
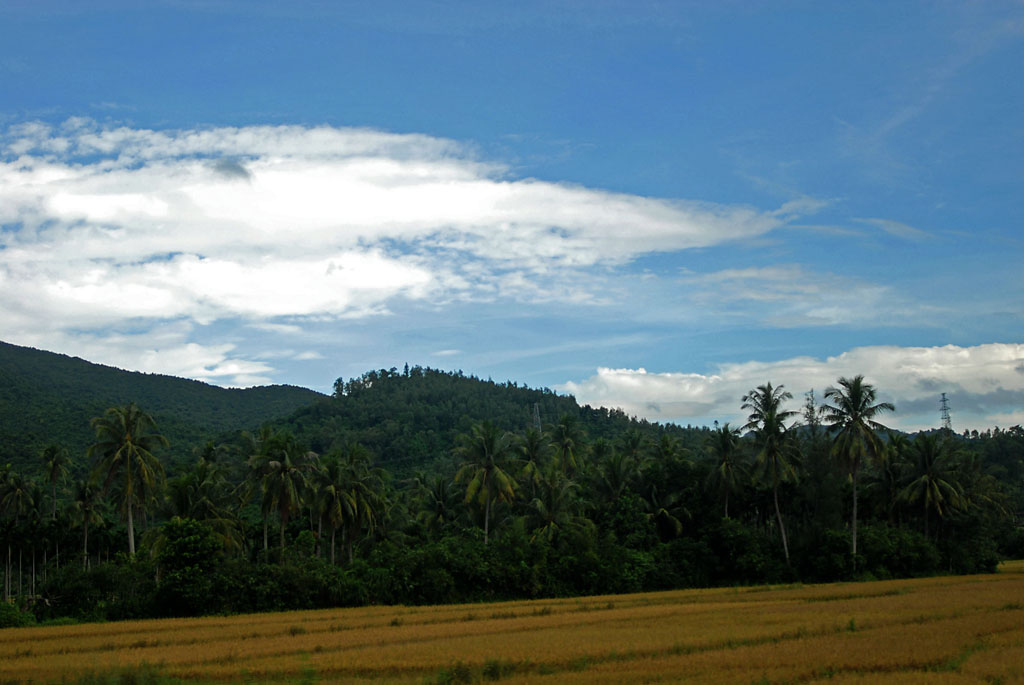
<point x="967" y="629"/>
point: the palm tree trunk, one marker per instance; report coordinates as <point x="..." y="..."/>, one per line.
<point x="266" y="542"/>
<point x="319" y="534"/>
<point x="284" y="524"/>
<point x="487" y="518"/>
<point x="85" y="546"/>
<point x="727" y="503"/>
<point x="131" y="532"/>
<point x="853" y="519"/>
<point x="782" y="527"/>
<point x="334" y="529"/>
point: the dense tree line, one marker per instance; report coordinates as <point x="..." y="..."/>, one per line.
<point x="307" y="513"/>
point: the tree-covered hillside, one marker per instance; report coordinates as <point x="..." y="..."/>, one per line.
<point x="48" y="398"/>
<point x="411" y="417"/>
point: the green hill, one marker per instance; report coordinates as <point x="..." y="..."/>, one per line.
<point x="51" y="398"/>
<point x="411" y="417"/>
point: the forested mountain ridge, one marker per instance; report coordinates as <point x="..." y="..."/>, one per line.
<point x="412" y="417"/>
<point x="48" y="398"/>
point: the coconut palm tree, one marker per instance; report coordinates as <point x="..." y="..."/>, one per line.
<point x="85" y="506"/>
<point x="850" y="412"/>
<point x="556" y="507"/>
<point x="257" y="448"/>
<point x="885" y="482"/>
<point x="567" y="439"/>
<point x="16" y="500"/>
<point x="55" y="463"/>
<point x="616" y="476"/>
<point x="932" y="477"/>
<point x="126" y="438"/>
<point x="533" y="450"/>
<point x="203" y="493"/>
<point x="730" y="471"/>
<point x="485" y="452"/>
<point x="284" y="481"/>
<point x="776" y="458"/>
<point x="351" y="492"/>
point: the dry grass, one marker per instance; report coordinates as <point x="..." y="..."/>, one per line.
<point x="956" y="630"/>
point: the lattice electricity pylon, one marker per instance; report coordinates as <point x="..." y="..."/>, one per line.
<point x="947" y="423"/>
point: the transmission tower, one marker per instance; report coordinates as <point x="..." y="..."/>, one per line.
<point x="947" y="424"/>
<point x="536" y="417"/>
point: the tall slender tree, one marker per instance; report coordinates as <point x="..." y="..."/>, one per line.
<point x="485" y="452"/>
<point x="285" y="479"/>
<point x="85" y="507"/>
<point x="126" y="440"/>
<point x="567" y="439"/>
<point x="55" y="462"/>
<point x="729" y="470"/>
<point x="776" y="457"/>
<point x="16" y="501"/>
<point x="932" y="478"/>
<point x="849" y="411"/>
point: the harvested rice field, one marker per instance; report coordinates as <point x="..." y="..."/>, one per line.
<point x="964" y="629"/>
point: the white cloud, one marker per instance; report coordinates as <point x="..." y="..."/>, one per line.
<point x="122" y="227"/>
<point x="786" y="296"/>
<point x="985" y="384"/>
<point x="898" y="229"/>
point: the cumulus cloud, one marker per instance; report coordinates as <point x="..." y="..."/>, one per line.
<point x="109" y="225"/>
<point x="981" y="382"/>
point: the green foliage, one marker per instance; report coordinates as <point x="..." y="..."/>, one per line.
<point x="13" y="617"/>
<point x="187" y="560"/>
<point x="48" y="398"/>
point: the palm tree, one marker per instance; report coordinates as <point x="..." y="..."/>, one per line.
<point x="437" y="502"/>
<point x="284" y="481"/>
<point x="257" y="448"/>
<point x="556" y="508"/>
<point x="933" y="477"/>
<point x="616" y="476"/>
<point x="203" y="493"/>
<point x="533" y="451"/>
<point x="55" y="462"/>
<point x="85" y="505"/>
<point x="567" y="439"/>
<point x="886" y="482"/>
<point x="16" y="500"/>
<point x="665" y="510"/>
<point x="126" y="438"/>
<point x="776" y="459"/>
<point x="351" y="491"/>
<point x="730" y="471"/>
<point x="852" y="416"/>
<point x="485" y="452"/>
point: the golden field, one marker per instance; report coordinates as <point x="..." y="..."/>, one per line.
<point x="964" y="629"/>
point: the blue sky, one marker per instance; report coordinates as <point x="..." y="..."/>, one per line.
<point x="655" y="206"/>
